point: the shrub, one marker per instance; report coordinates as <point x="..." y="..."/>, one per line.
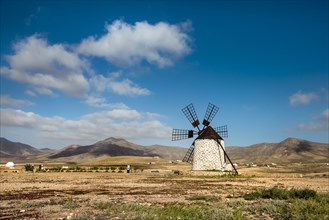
<point x="294" y="208"/>
<point x="29" y="167"/>
<point x="302" y="194"/>
<point x="56" y="169"/>
<point x="278" y="193"/>
<point x="79" y="169"/>
<point x="71" y="204"/>
<point x="94" y="168"/>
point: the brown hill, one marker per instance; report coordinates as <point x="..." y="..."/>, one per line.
<point x="19" y="152"/>
<point x="289" y="150"/>
<point x="16" y="150"/>
<point x="115" y="147"/>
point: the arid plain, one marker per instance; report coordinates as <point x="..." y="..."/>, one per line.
<point x="162" y="190"/>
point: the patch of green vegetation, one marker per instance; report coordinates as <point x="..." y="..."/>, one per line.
<point x="171" y="211"/>
<point x="94" y="168"/>
<point x="71" y="204"/>
<point x="287" y="204"/>
<point x="55" y="169"/>
<point x="280" y="193"/>
<point x="309" y="209"/>
<point x="29" y="167"/>
<point x="29" y="204"/>
<point x="274" y="203"/>
<point x="236" y="203"/>
<point x="82" y="216"/>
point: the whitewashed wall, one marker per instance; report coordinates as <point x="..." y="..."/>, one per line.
<point x="208" y="155"/>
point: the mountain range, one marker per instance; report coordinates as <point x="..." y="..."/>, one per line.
<point x="76" y="153"/>
<point x="289" y="150"/>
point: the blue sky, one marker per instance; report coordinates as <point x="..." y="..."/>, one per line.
<point x="75" y="72"/>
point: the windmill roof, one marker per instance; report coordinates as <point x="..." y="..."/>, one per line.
<point x="209" y="133"/>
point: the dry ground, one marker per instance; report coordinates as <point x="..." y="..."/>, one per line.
<point x="78" y="195"/>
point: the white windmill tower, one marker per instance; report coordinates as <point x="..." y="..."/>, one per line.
<point x="207" y="151"/>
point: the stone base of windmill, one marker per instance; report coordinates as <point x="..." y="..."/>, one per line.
<point x="208" y="155"/>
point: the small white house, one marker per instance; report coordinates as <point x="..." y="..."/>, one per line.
<point x="10" y="165"/>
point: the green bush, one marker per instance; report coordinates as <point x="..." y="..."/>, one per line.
<point x="29" y="167"/>
<point x="94" y="168"/>
<point x="302" y="194"/>
<point x="293" y="208"/>
<point x="279" y="193"/>
<point x="79" y="169"/>
<point x="71" y="204"/>
<point x="56" y="169"/>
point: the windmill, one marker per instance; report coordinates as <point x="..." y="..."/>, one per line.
<point x="207" y="151"/>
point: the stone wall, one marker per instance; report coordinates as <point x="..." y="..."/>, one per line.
<point x="208" y="155"/>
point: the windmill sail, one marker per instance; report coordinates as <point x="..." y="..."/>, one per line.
<point x="222" y="131"/>
<point x="189" y="154"/>
<point x="210" y="114"/>
<point x="190" y="114"/>
<point x="180" y="134"/>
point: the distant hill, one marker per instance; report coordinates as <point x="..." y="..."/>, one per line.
<point x="16" y="150"/>
<point x="116" y="147"/>
<point x="20" y="152"/>
<point x="289" y="150"/>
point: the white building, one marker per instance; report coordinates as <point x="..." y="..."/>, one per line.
<point x="10" y="165"/>
<point x="208" y="151"/>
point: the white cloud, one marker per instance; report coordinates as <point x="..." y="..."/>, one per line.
<point x="46" y="67"/>
<point x="97" y="101"/>
<point x="7" y="100"/>
<point x="44" y="91"/>
<point x="128" y="88"/>
<point x="118" y="86"/>
<point x="126" y="123"/>
<point x="101" y="102"/>
<point x="300" y="98"/>
<point x="321" y="123"/>
<point x="128" y="45"/>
